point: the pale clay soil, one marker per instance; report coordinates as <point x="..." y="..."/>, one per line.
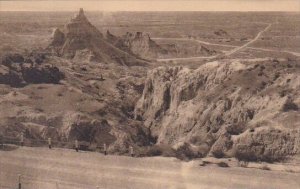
<point x="62" y="168"/>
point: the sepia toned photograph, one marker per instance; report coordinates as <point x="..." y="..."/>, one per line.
<point x="150" y="94"/>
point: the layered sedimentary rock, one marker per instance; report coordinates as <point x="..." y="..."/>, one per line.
<point x="225" y="108"/>
<point x="79" y="34"/>
<point x="139" y="44"/>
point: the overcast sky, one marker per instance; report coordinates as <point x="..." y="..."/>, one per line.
<point x="153" y="5"/>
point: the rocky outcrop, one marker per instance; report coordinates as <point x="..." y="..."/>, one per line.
<point x="58" y="37"/>
<point x="80" y="35"/>
<point x="17" y="71"/>
<point x="215" y="107"/>
<point x="221" y="32"/>
<point x="142" y="45"/>
<point x="267" y="144"/>
<point x="139" y="44"/>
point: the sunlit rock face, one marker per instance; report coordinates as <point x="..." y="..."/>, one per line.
<point x="217" y="111"/>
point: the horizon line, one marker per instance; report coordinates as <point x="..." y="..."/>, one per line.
<point x="155" y="5"/>
<point x="267" y="11"/>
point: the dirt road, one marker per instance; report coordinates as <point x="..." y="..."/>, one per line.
<point x="234" y="50"/>
<point x="224" y="45"/>
<point x="248" y="43"/>
<point x="187" y="58"/>
<point x="66" y="169"/>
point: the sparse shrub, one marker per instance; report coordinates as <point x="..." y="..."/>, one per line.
<point x="243" y="164"/>
<point x="235" y="129"/>
<point x="276" y="76"/>
<point x="290" y="105"/>
<point x="160" y="150"/>
<point x="41" y="87"/>
<point x="276" y="61"/>
<point x="291" y="171"/>
<point x="185" y="152"/>
<point x="265" y="167"/>
<point x="206" y="162"/>
<point x="252" y="130"/>
<point x="218" y="154"/>
<point x="39" y="109"/>
<point x="222" y="164"/>
<point x="282" y="93"/>
<point x="263" y="85"/>
<point x="154" y="151"/>
<point x="262" y="67"/>
<point x="83" y="69"/>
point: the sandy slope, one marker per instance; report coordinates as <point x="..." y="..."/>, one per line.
<point x="61" y="168"/>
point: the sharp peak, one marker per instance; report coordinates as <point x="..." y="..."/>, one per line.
<point x="80" y="16"/>
<point x="81" y="11"/>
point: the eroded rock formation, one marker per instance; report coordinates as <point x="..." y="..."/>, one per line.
<point x="18" y="71"/>
<point x="80" y="35"/>
<point x="139" y="44"/>
<point x="225" y="108"/>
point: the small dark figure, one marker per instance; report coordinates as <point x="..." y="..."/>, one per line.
<point x="1" y="142"/>
<point x="105" y="149"/>
<point x="49" y="143"/>
<point x="101" y="77"/>
<point x="20" y="185"/>
<point x="131" y="151"/>
<point x="76" y="145"/>
<point x="22" y="139"/>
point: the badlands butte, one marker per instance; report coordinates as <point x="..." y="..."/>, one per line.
<point x="128" y="91"/>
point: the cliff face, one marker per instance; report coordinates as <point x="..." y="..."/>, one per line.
<point x="225" y="108"/>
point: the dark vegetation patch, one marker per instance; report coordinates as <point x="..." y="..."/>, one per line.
<point x="223" y="164"/>
<point x="290" y="106"/>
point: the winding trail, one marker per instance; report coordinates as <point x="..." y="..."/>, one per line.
<point x="250" y="42"/>
<point x="194" y="40"/>
<point x="67" y="169"/>
<point x="233" y="51"/>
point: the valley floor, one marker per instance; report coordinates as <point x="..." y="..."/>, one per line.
<point x="62" y="168"/>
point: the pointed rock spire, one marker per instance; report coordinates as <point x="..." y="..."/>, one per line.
<point x="80" y="16"/>
<point x="81" y="11"/>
